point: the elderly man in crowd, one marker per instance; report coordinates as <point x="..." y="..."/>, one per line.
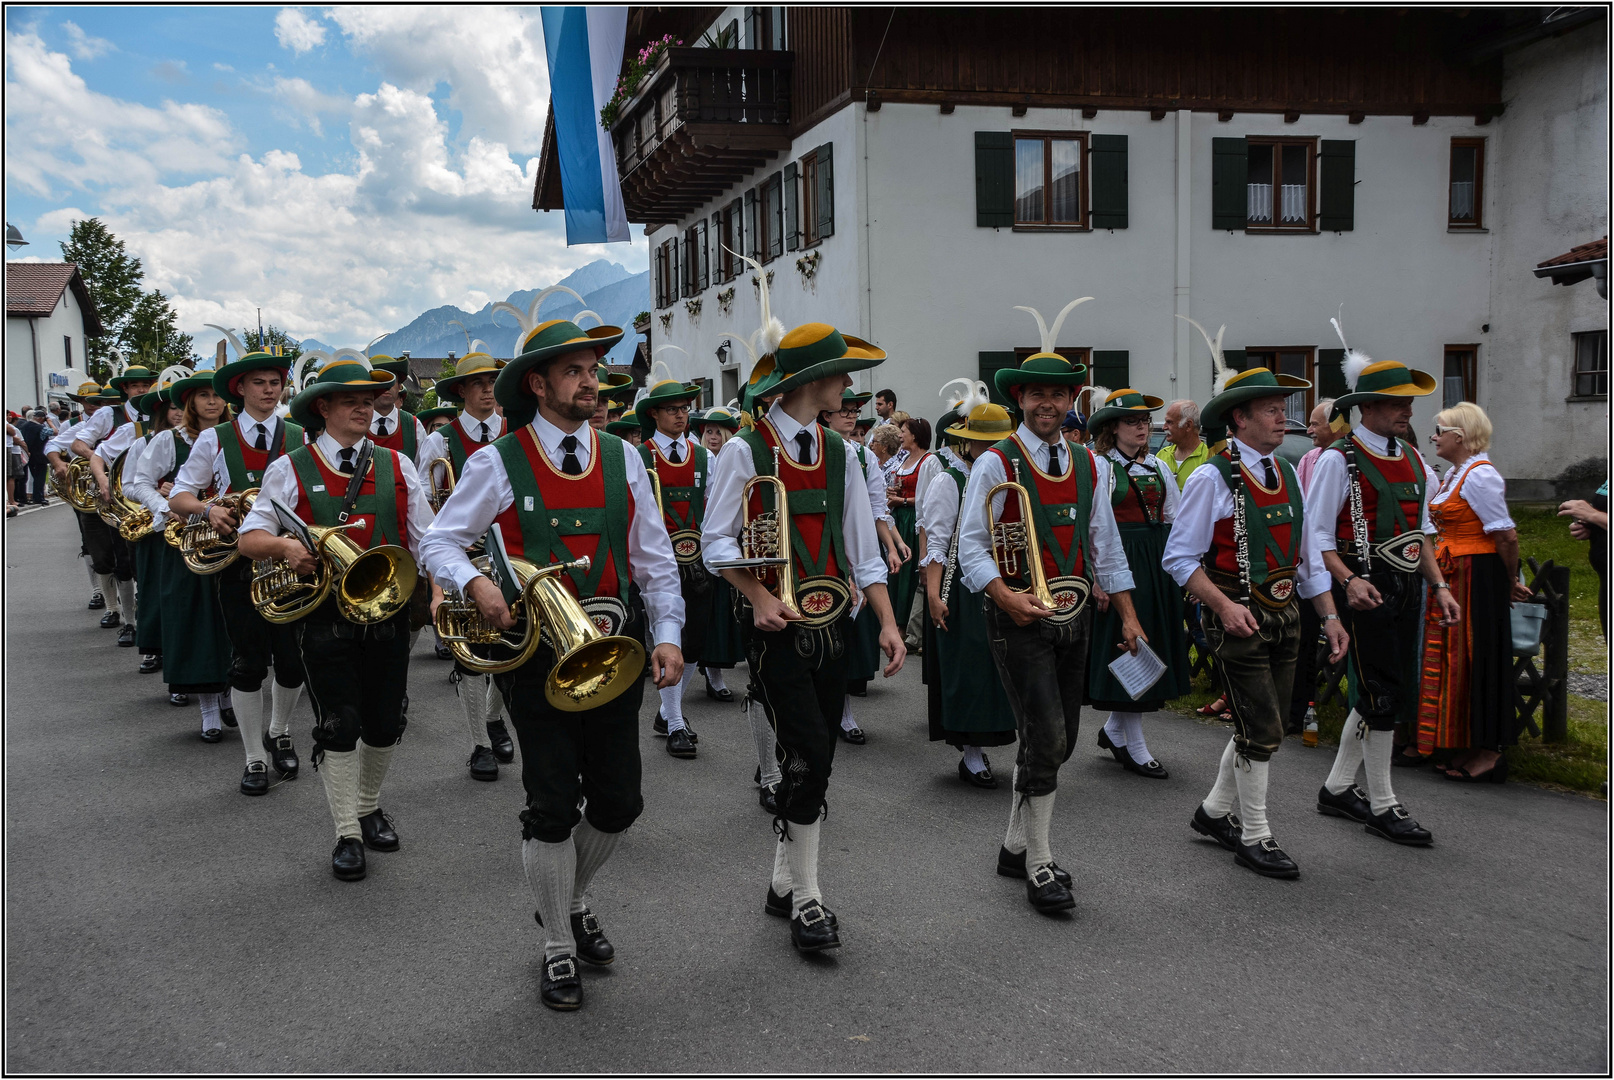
<point x="1189" y="451"/>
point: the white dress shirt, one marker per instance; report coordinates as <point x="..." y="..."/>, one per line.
<point x="99" y="426"/>
<point x="137" y="450"/>
<point x="874" y="477"/>
<point x="116" y="443"/>
<point x="156" y="462"/>
<point x="436" y="444"/>
<point x="484" y="492"/>
<point x="1206" y="500"/>
<point x="665" y="443"/>
<point x="1107" y="558"/>
<point x="206" y="466"/>
<point x="1484" y="491"/>
<point x="1329" y="489"/>
<point x="940" y="516"/>
<point x="280" y="483"/>
<point x="394" y="420"/>
<point x="64" y="440"/>
<point x="1141" y="467"/>
<point x="724" y="507"/>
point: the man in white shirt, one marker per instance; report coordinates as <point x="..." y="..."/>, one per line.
<point x="797" y="652"/>
<point x="393" y="426"/>
<point x="58" y="452"/>
<point x="114" y="562"/>
<point x="559" y="490"/>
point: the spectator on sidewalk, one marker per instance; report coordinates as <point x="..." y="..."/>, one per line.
<point x="1590" y="522"/>
<point x="1188" y="451"/>
<point x="36" y="432"/>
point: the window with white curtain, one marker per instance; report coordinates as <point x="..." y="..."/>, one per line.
<point x="1282" y="179"/>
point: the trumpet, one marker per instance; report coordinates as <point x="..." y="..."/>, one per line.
<point x="437" y="496"/>
<point x="1014" y="542"/>
<point x="591" y="668"/>
<point x="371" y="585"/>
<point x="205" y="551"/>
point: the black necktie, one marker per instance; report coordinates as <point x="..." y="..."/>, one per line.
<point x="1054" y="466"/>
<point x="1272" y="477"/>
<point x="804" y="448"/>
<point x="570" y="465"/>
<point x="1391" y="452"/>
<point x="484" y="424"/>
<point x="263" y="441"/>
<point x="347" y="461"/>
<point x="674" y="455"/>
<point x="383" y="431"/>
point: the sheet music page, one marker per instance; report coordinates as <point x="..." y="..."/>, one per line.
<point x="1137" y="674"/>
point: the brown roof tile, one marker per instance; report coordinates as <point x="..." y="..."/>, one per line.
<point x="36" y="288"/>
<point x="1597" y="249"/>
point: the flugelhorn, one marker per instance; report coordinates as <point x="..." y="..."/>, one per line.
<point x="765" y="545"/>
<point x="371" y="585"/>
<point x="1016" y="542"/>
<point x="437" y="496"/>
<point x="205" y="551"/>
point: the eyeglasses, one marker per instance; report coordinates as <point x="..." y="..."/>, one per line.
<point x="675" y="408"/>
<point x="848" y="412"/>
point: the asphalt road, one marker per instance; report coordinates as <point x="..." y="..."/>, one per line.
<point x="157" y="920"/>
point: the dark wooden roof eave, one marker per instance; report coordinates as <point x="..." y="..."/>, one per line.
<point x="546" y="191"/>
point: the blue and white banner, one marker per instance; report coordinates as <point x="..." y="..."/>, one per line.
<point x="584" y="45"/>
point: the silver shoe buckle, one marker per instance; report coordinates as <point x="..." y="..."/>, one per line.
<point x="589" y="923"/>
<point x="1042" y="875"/>
<point x="561" y="968"/>
<point x="812" y="914"/>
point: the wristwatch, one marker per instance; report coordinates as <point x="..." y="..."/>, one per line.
<point x="1327" y="617"/>
<point x="1442" y="585"/>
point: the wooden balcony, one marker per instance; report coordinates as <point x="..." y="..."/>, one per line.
<point x="701" y="122"/>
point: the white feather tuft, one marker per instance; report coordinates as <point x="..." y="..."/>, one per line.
<point x="1356" y="361"/>
<point x="527" y="321"/>
<point x="578" y="318"/>
<point x="355" y="355"/>
<point x="470" y="346"/>
<point x="478" y="345"/>
<point x="1095" y="398"/>
<point x="1219" y="369"/>
<point x="1050" y="335"/>
<point x="956" y="392"/>
<point x="235" y="342"/>
<point x="660" y="370"/>
<point x="307" y="366"/>
<point x="172" y="374"/>
<point x="373" y="340"/>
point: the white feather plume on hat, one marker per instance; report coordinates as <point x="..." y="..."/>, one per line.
<point x="1356" y="361"/>
<point x="528" y="320"/>
<point x="660" y="370"/>
<point x="765" y="339"/>
<point x="964" y="396"/>
<point x="1050" y="335"/>
<point x="1220" y="372"/>
<point x="1096" y="396"/>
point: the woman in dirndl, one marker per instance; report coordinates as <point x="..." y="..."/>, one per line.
<point x="723" y="647"/>
<point x="1144" y="497"/>
<point x="903" y="496"/>
<point x="148" y="553"/>
<point x="1465" y="701"/>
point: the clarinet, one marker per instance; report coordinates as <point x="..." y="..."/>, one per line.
<point x="952" y="560"/>
<point x="1358" y="518"/>
<point x="1241" y="529"/>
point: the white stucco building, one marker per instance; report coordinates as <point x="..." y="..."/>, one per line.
<point x="49" y="316"/>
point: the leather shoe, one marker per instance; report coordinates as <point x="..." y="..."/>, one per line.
<point x="982" y="779"/>
<point x="151" y="663"/>
<point x="255" y="781"/>
<point x="378" y="832"/>
<point x="1225" y="830"/>
<point x="1153" y="771"/>
<point x="110" y="619"/>
<point x="126" y="636"/>
<point x="592" y="944"/>
<point x="811" y="930"/>
<point x="503" y="748"/>
<point x="1046" y="892"/>
<point x="779" y="906"/>
<point x="855" y="736"/>
<point x="179" y="701"/>
<point x="1350" y="803"/>
<point x="97" y="601"/>
<point x="1118" y="752"/>
<point x="768" y="797"/>
<point x="347" y="861"/>
<point x="444" y="652"/>
<point x="1012" y="865"/>
<point x="560" y="987"/>
<point x="1266" y="858"/>
<point x="484" y="766"/>
<point x="660" y="728"/>
<point x="228" y="717"/>
<point x="724" y="695"/>
<point x="282" y="755"/>
<point x="1395" y="824"/>
<point x="210" y="734"/>
<point x="680" y="745"/>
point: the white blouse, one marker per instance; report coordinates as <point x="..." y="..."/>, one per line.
<point x="1485" y="491"/>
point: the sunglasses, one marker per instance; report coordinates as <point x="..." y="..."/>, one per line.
<point x="1439" y="431"/>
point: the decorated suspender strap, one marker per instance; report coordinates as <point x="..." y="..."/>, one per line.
<point x="1364" y="549"/>
<point x="694" y="497"/>
<point x="828" y="501"/>
<point x="543" y="530"/>
<point x="1123" y="484"/>
<point x="381" y="505"/>
<point x="952" y="544"/>
<point x="1241" y="521"/>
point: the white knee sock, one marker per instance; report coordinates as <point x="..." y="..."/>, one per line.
<point x="373" y="763"/>
<point x="762" y="732"/>
<point x="249" y="720"/>
<point x="495" y="704"/>
<point x="1132" y="728"/>
<point x="593" y="848"/>
<point x="1039" y="817"/>
<point x="973" y="761"/>
<point x="801" y="852"/>
<point x="1351" y="739"/>
<point x="1115" y="730"/>
<point x="1251" y="777"/>
<point x="847" y="723"/>
<point x="95" y="579"/>
<point x="109" y="591"/>
<point x="473" y="703"/>
<point x="714" y="675"/>
<point x="340" y="771"/>
<point x="126" y="599"/>
<point x="210" y="712"/>
<point x="551" y="875"/>
<point x="1223" y="797"/>
<point x="781" y="869"/>
<point x="1014" y="841"/>
<point x="1376" y="751"/>
<point x="283" y="701"/>
<point x="672" y="701"/>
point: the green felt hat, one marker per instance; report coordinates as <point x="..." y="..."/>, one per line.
<point x="178" y="392"/>
<point x="1040" y="369"/>
<point x="666" y="392"/>
<point x="138" y="373"/>
<point x="542" y="344"/>
<point x="148" y="403"/>
<point x="814" y="351"/>
<point x="227" y="379"/>
<point x="852" y="397"/>
<point x="87" y="391"/>
<point x="109" y="395"/>
<point x="447" y="412"/>
<point x="1245" y="386"/>
<point x="624" y="427"/>
<point x="338" y="375"/>
<point x="477" y="363"/>
<point x="396" y="366"/>
<point x="1382" y="380"/>
<point x="1122" y="404"/>
<point x="612" y="383"/>
<point x="719" y="416"/>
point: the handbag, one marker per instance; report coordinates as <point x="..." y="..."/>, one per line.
<point x="1527" y="620"/>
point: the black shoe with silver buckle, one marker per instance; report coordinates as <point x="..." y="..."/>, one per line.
<point x="281" y="754"/>
<point x="1152" y="771"/>
<point x="503" y="748"/>
<point x="111" y="619"/>
<point x="378" y="831"/>
<point x="561" y="988"/>
<point x="97" y="601"/>
<point x="1266" y="858"/>
<point x="228" y="717"/>
<point x="1046" y="892"/>
<point x="484" y="766"/>
<point x="211" y="734"/>
<point x="854" y="736"/>
<point x="1225" y="830"/>
<point x="151" y="663"/>
<point x="811" y="929"/>
<point x="769" y="798"/>
<point x="724" y="695"/>
<point x="592" y="945"/>
<point x="1351" y="803"/>
<point x="779" y="906"/>
<point x="982" y="779"/>
<point x="680" y="745"/>
<point x="1014" y="865"/>
<point x="1395" y="824"/>
<point x="179" y="701"/>
<point x="255" y="781"/>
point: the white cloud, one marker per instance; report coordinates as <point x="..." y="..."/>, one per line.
<point x="307" y="103"/>
<point x="83" y="45"/>
<point x="298" y="32"/>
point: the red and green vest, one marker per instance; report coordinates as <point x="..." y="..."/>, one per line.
<point x="1137" y="500"/>
<point x="1273" y="519"/>
<point x="1062" y="507"/>
<point x="382" y="507"/>
<point x="402" y="437"/>
<point x="683" y="486"/>
<point x="559" y="518"/>
<point x="1392" y="491"/>
<point x="910" y="479"/>
<point x="815" y="494"/>
<point x="461" y="445"/>
<point x="246" y="463"/>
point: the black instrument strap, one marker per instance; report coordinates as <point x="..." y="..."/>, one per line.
<point x="361" y="467"/>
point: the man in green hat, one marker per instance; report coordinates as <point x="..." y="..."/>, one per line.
<point x="134" y="383"/>
<point x="357" y="672"/>
<point x="233" y="457"/>
<point x="557" y="491"/>
<point x="58" y="451"/>
<point x="609" y="405"/>
<point x="1239" y="545"/>
<point x="476" y="427"/>
<point x="393" y="426"/>
<point x="1040" y="643"/>
<point x="111" y="556"/>
<point x="1367" y="508"/>
<point x="797" y="645"/>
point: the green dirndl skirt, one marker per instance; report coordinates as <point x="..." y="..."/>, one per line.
<point x="149" y="593"/>
<point x="906" y="581"/>
<point x="863" y="658"/>
<point x="196" y="650"/>
<point x="723" y="648"/>
<point x="1158" y="602"/>
<point x="968" y="705"/>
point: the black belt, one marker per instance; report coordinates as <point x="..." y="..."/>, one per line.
<point x="1276" y="592"/>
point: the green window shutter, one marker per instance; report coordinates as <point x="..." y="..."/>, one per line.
<point x="716" y="232"/>
<point x="991" y="363"/>
<point x="792" y="214"/>
<point x="1330" y="373"/>
<point x="994" y="179"/>
<point x="751" y="225"/>
<point x="1111" y="368"/>
<point x="1337" y="175"/>
<point x="737" y="223"/>
<point x="826" y="190"/>
<point x="1236" y="360"/>
<point x="1106" y="158"/>
<point x="1230" y="178"/>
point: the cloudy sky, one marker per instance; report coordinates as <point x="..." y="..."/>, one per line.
<point x="342" y="168"/>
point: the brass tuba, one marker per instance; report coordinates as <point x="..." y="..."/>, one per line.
<point x="439" y="495"/>
<point x="204" y="550"/>
<point x="371" y="585"/>
<point x="591" y="669"/>
<point x="1014" y="542"/>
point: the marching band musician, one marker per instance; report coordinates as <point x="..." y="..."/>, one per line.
<point x="148" y="557"/>
<point x="58" y="451"/>
<point x="558" y="489"/>
<point x="797" y="672"/>
<point x="723" y="647"/>
<point x="232" y="458"/>
<point x="393" y="426"/>
<point x="1041" y="651"/>
<point x="356" y="673"/>
<point x="109" y="456"/>
<point x="114" y="562"/>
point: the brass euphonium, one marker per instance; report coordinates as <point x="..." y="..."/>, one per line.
<point x="1016" y="542"/>
<point x="371" y="585"/>
<point x="205" y="551"/>
<point x="79" y="489"/>
<point x="135" y="521"/>
<point x="437" y="496"/>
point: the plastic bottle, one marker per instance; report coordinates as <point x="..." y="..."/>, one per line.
<point x="1308" y="737"/>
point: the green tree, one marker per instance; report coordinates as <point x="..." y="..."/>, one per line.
<point x="290" y="348"/>
<point x="429" y="399"/>
<point x="152" y="335"/>
<point x="113" y="279"/>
